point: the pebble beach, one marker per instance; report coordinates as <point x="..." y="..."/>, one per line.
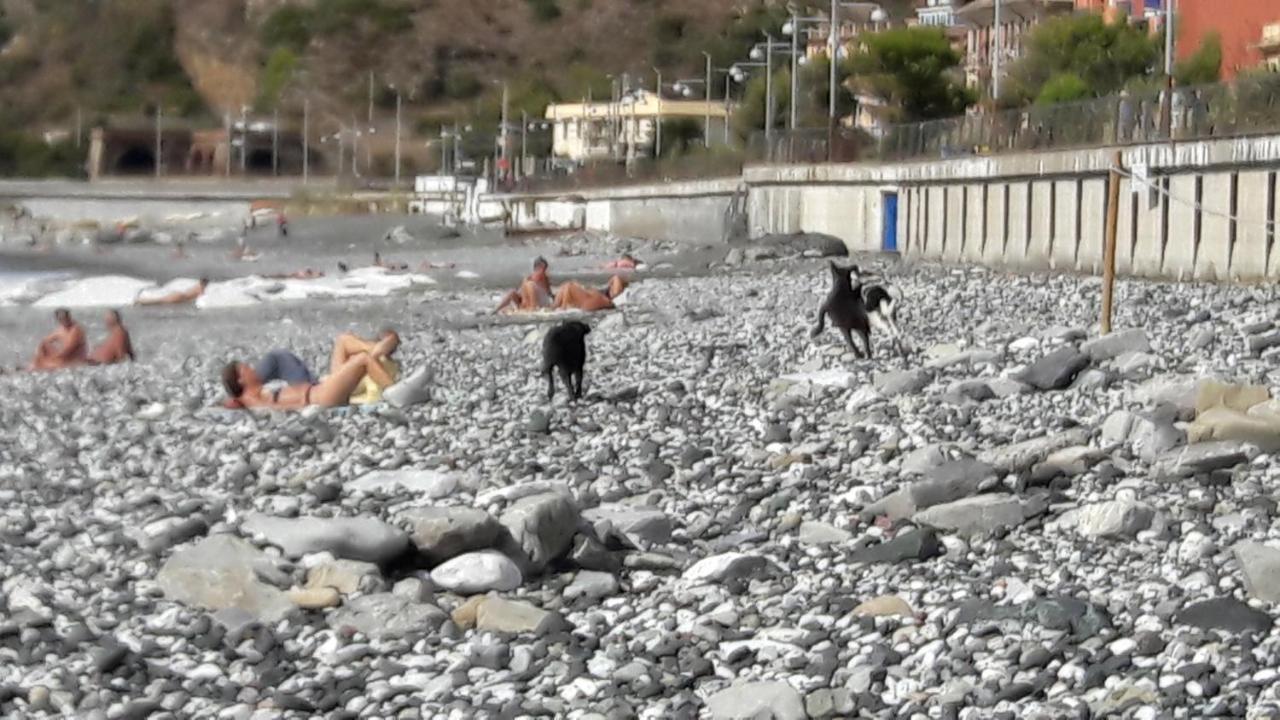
<point x="1018" y="519"/>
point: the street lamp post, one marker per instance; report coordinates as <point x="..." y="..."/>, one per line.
<point x="306" y="140"/>
<point x="397" y="137"/>
<point x="657" y="122"/>
<point x="995" y="57"/>
<point x="833" y="48"/>
<point x="706" y="123"/>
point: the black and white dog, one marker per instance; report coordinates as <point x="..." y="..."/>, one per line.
<point x="858" y="304"/>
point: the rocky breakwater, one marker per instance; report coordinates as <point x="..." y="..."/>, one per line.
<point x="1020" y="521"/>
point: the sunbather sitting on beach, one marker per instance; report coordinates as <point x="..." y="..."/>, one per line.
<point x="62" y="348"/>
<point x="178" y="298"/>
<point x="389" y="265"/>
<point x="354" y="361"/>
<point x="534" y="292"/>
<point x="575" y="296"/>
<point x="118" y="347"/>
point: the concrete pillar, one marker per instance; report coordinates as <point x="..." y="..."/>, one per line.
<point x="1249" y="259"/>
<point x="975" y="212"/>
<point x="906" y="206"/>
<point x="997" y="224"/>
<point x="1213" y="260"/>
<point x="1042" y="224"/>
<point x="1015" y="254"/>
<point x="1066" y="236"/>
<point x="954" y="225"/>
<point x="1148" y="241"/>
<point x="1093" y="218"/>
<point x="1124" y="229"/>
<point x="937" y="220"/>
<point x="1179" y="254"/>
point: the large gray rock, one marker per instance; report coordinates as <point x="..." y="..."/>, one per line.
<point x="1260" y="566"/>
<point x="945" y="483"/>
<point x="478" y="572"/>
<point x="728" y="567"/>
<point x="218" y="573"/>
<point x="921" y="544"/>
<point x="1116" y="344"/>
<point x="1227" y="614"/>
<point x="1110" y="519"/>
<point x="1023" y="455"/>
<point x="1205" y="457"/>
<point x="441" y="533"/>
<point x="501" y="615"/>
<point x="757" y="701"/>
<point x="1055" y="371"/>
<point x="542" y="527"/>
<point x="820" y="533"/>
<point x="432" y="483"/>
<point x="980" y="514"/>
<point x="387" y="615"/>
<point x="902" y="382"/>
<point x="360" y="538"/>
<point x="639" y="526"/>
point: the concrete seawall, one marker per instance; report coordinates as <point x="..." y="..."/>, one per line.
<point x="1207" y="211"/>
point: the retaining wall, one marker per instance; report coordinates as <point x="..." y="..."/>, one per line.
<point x="1215" y="219"/>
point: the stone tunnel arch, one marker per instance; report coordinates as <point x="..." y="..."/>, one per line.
<point x="136" y="160"/>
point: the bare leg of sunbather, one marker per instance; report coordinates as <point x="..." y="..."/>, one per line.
<point x="348" y="345"/>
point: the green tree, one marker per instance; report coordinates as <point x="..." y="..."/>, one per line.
<point x="289" y="26"/>
<point x="275" y="76"/>
<point x="1205" y="64"/>
<point x="1061" y="88"/>
<point x="749" y="117"/>
<point x="1105" y="56"/>
<point x="914" y="69"/>
<point x="544" y="11"/>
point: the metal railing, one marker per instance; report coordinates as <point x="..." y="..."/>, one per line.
<point x="604" y="174"/>
<point x="1251" y="105"/>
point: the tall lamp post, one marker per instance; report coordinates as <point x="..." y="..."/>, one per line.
<point x="685" y="88"/>
<point x="878" y="15"/>
<point x="657" y="123"/>
<point x="795" y="27"/>
<point x="767" y="49"/>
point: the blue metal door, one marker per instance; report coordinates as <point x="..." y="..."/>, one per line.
<point x="889" y="242"/>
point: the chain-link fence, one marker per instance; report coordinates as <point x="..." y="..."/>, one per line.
<point x="602" y="174"/>
<point x="1251" y="105"/>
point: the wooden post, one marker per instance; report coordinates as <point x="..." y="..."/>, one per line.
<point x="1109" y="251"/>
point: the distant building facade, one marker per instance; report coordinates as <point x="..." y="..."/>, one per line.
<point x="1017" y="18"/>
<point x="627" y="128"/>
<point x="1241" y="25"/>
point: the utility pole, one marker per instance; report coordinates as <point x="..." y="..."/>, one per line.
<point x="275" y="142"/>
<point x="159" y="141"/>
<point x="369" y="146"/>
<point x="1168" y="69"/>
<point x="727" y="79"/>
<point x="342" y="150"/>
<point x="306" y="140"/>
<point x="795" y="66"/>
<point x="657" y="121"/>
<point x="226" y="124"/>
<point x="355" y="147"/>
<point x="995" y="57"/>
<point x="457" y="146"/>
<point x="397" y="136"/>
<point x="244" y="139"/>
<point x="706" y="127"/>
<point x="832" y="47"/>
<point x="505" y="153"/>
<point x="524" y="141"/>
<point x="444" y="151"/>
<point x="768" y="93"/>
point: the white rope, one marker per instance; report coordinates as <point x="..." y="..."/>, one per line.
<point x="1267" y="225"/>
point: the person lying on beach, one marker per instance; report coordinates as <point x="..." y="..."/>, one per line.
<point x="307" y="274"/>
<point x="117" y="348"/>
<point x="396" y="266"/>
<point x="429" y="265"/>
<point x="626" y="262"/>
<point x="177" y="298"/>
<point x="575" y="296"/>
<point x="354" y="361"/>
<point x="62" y="348"/>
<point x="534" y="292"/>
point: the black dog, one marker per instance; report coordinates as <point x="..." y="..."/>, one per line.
<point x="565" y="348"/>
<point x="847" y="308"/>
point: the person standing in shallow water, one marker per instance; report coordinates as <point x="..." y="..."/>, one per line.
<point x="62" y="348"/>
